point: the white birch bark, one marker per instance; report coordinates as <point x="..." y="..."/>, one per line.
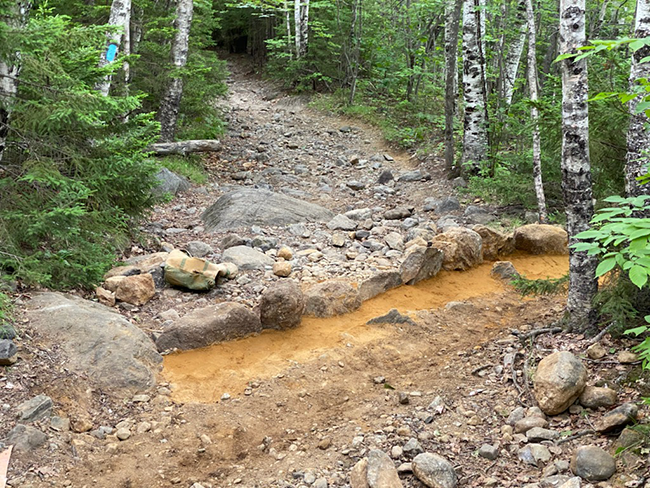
<point x="576" y="171"/>
<point x="171" y="101"/>
<point x="452" y="26"/>
<point x="10" y="72"/>
<point x="301" y="20"/>
<point x="638" y="135"/>
<point x="513" y="58"/>
<point x="475" y="136"/>
<point x="120" y="16"/>
<point x="534" y="112"/>
<point x="287" y="21"/>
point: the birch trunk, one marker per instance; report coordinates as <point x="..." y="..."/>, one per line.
<point x="534" y="112"/>
<point x="576" y="171"/>
<point x="452" y="26"/>
<point x="475" y="137"/>
<point x="638" y="135"/>
<point x="301" y="19"/>
<point x="10" y="72"/>
<point x="120" y="17"/>
<point x="171" y="101"/>
<point x="355" y="38"/>
<point x="513" y="58"/>
<point x="287" y="22"/>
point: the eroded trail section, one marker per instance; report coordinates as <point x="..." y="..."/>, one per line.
<point x="204" y="375"/>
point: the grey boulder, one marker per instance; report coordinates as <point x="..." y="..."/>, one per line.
<point x="26" y="438"/>
<point x="250" y="206"/>
<point x="434" y="471"/>
<point x="592" y="463"/>
<point x="210" y="325"/>
<point x="282" y="305"/>
<point x="246" y="258"/>
<point x="101" y="344"/>
<point x="170" y="182"/>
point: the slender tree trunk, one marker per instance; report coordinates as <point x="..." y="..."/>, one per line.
<point x="120" y="17"/>
<point x="534" y="112"/>
<point x="10" y="72"/>
<point x="576" y="171"/>
<point x="170" y="104"/>
<point x="638" y="134"/>
<point x="355" y="38"/>
<point x="475" y="137"/>
<point x="301" y="19"/>
<point x="287" y="22"/>
<point x="515" y="51"/>
<point x="452" y="26"/>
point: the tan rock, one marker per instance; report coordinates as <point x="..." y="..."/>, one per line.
<point x="282" y="305"/>
<point x="542" y="239"/>
<point x="112" y="283"/>
<point x="282" y="269"/>
<point x="596" y="351"/>
<point x="495" y="243"/>
<point x="626" y="357"/>
<point x="595" y="397"/>
<point x="462" y="248"/>
<point x="330" y="298"/>
<point x="105" y="297"/>
<point x="559" y="381"/>
<point x="136" y="290"/>
<point x="285" y="252"/>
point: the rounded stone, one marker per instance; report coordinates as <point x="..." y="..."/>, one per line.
<point x="592" y="463"/>
<point x="559" y="381"/>
<point x="434" y="471"/>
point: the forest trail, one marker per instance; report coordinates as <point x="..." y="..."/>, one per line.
<point x="306" y="416"/>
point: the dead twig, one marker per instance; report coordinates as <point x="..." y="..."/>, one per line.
<point x="481" y="368"/>
<point x="534" y="333"/>
<point x="600" y="335"/>
<point x="577" y="435"/>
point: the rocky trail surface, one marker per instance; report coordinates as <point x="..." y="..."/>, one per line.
<point x="403" y="372"/>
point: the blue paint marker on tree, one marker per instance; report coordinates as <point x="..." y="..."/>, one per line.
<point x="111" y="52"/>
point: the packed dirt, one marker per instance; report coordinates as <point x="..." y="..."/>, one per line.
<point x="300" y="408"/>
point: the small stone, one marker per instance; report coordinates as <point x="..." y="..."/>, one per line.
<point x="412" y="447"/>
<point x="378" y="380"/>
<point x="516" y="415"/>
<point x="341" y="222"/>
<point x="338" y="239"/>
<point x="285" y="253"/>
<point x="434" y="471"/>
<point x="143" y="427"/>
<point x="617" y="418"/>
<point x="8" y="352"/>
<point x="403" y="398"/>
<point x="527" y="423"/>
<point x="571" y="483"/>
<point x="34" y="409"/>
<point x="105" y="297"/>
<point x="596" y="351"/>
<point x="321" y="483"/>
<point x="504" y="270"/>
<point x="136" y="290"/>
<point x="141" y="398"/>
<point x="538" y="434"/>
<point x="225" y="396"/>
<point x="198" y="249"/>
<point x="325" y="443"/>
<point x="123" y="433"/>
<point x="553" y="481"/>
<point x="596" y="397"/>
<point x="534" y="454"/>
<point x="81" y="424"/>
<point x="396" y="452"/>
<point x="626" y="357"/>
<point x="488" y="451"/>
<point x="559" y="381"/>
<point x="592" y="463"/>
<point x="282" y="269"/>
<point x="60" y="424"/>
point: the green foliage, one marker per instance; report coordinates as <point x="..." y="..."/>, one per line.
<point x="552" y="286"/>
<point x="76" y="171"/>
<point x="190" y="166"/>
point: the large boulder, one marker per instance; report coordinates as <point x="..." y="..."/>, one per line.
<point x="331" y="298"/>
<point x="434" y="471"/>
<point x="246" y="257"/>
<point x="100" y="344"/>
<point x="375" y="471"/>
<point x="559" y="380"/>
<point x="379" y="283"/>
<point x="463" y="248"/>
<point x="170" y="182"/>
<point x="251" y="206"/>
<point x="542" y="239"/>
<point x="210" y="325"/>
<point x="421" y="263"/>
<point x="282" y="305"/>
<point x="495" y="243"/>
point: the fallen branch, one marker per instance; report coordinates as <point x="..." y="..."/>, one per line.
<point x="534" y="333"/>
<point x="577" y="435"/>
<point x="600" y="335"/>
<point x="185" y="147"/>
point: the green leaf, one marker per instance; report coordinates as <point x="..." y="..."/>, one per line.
<point x="637" y="331"/>
<point x="638" y="276"/>
<point x="606" y="266"/>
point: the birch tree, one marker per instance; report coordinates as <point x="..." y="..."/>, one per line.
<point x="638" y="135"/>
<point x="516" y="49"/>
<point x="119" y="17"/>
<point x="10" y="71"/>
<point x="576" y="171"/>
<point x="534" y="111"/>
<point x="171" y="101"/>
<point x="475" y="136"/>
<point x="301" y="20"/>
<point x="452" y="26"/>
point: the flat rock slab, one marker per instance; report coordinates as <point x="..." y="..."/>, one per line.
<point x="251" y="206"/>
<point x="247" y="258"/>
<point x="114" y="354"/>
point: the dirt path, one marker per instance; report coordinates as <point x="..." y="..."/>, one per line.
<point x="304" y="406"/>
